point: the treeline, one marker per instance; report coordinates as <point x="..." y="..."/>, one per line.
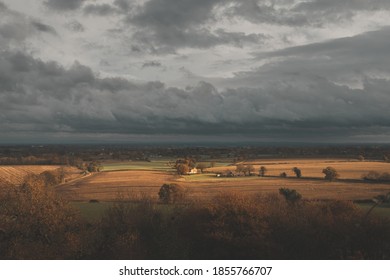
<point x="377" y="176"/>
<point x="37" y="224"/>
<point x="60" y="154"/>
<point x="51" y="159"/>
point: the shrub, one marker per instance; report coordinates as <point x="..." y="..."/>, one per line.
<point x="283" y="175"/>
<point x="376" y="176"/>
<point x="290" y="195"/>
<point x="171" y="193"/>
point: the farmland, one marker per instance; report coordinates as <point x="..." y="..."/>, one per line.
<point x="15" y="174"/>
<point x="136" y="178"/>
<point x="109" y="207"/>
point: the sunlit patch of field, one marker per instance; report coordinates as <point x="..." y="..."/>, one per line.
<point x="108" y="186"/>
<point x="351" y="169"/>
<point x="15" y="174"/>
<point x="157" y="165"/>
<point x="112" y="185"/>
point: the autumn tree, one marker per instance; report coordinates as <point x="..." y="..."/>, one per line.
<point x="182" y="169"/>
<point x="297" y="172"/>
<point x="262" y="171"/>
<point x="36" y="223"/>
<point x="202" y="166"/>
<point x="330" y="173"/>
<point x="240" y="168"/>
<point x="171" y="193"/>
<point x="93" y="166"/>
<point x="249" y="168"/>
<point x="184" y="165"/>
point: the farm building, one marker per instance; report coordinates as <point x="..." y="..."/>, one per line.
<point x="192" y="171"/>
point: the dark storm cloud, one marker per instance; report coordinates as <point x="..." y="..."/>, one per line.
<point x="64" y="5"/>
<point x="334" y="6"/>
<point x="344" y="59"/>
<point x="15" y="27"/>
<point x="171" y="13"/>
<point x="151" y="64"/>
<point x="167" y="25"/>
<point x="124" y="5"/>
<point x="169" y="40"/>
<point x="44" y="27"/>
<point x="314" y="12"/>
<point x="100" y="9"/>
<point x="75" y="26"/>
<point x="262" y="12"/>
<point x="45" y="97"/>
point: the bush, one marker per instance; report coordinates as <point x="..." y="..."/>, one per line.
<point x="290" y="195"/>
<point x="171" y="193"/>
<point x="376" y="176"/>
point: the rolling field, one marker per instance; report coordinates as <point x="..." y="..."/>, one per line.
<point x="108" y="186"/>
<point x="156" y="165"/>
<point x="15" y="174"/>
<point x="313" y="168"/>
<point x="111" y="185"/>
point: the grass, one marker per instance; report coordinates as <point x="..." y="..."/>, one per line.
<point x="212" y="177"/>
<point x="159" y="165"/>
<point x="91" y="212"/>
<point x="382" y="210"/>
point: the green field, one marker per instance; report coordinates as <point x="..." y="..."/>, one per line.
<point x="158" y="165"/>
<point x="382" y="210"/>
<point x="92" y="212"/>
<point x="154" y="165"/>
<point x="212" y="177"/>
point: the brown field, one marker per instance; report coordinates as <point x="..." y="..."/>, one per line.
<point x="110" y="185"/>
<point x="15" y="174"/>
<point x="348" y="169"/>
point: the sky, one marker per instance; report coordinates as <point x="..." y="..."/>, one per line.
<point x="185" y="70"/>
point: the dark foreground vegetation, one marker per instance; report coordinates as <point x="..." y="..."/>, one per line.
<point x="37" y="224"/>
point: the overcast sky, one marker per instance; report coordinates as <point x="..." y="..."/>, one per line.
<point x="220" y="70"/>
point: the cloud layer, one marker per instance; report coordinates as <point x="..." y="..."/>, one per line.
<point x="279" y="69"/>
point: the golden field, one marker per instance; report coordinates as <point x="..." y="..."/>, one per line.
<point x="108" y="186"/>
<point x="15" y="174"/>
<point x="348" y="169"/>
